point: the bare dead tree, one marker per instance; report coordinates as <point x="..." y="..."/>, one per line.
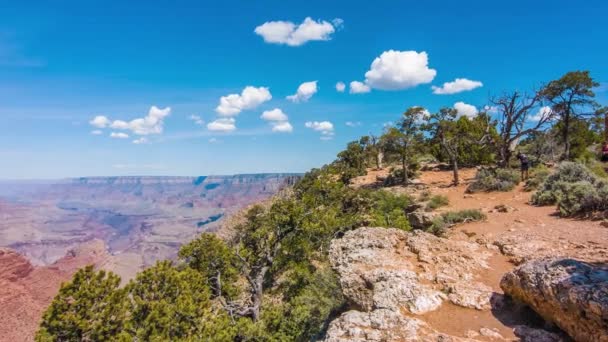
<point x="514" y="118"/>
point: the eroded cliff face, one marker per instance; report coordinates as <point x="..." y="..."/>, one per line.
<point x="140" y="219"/>
<point x="27" y="290"/>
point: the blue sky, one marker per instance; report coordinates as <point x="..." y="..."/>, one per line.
<point x="63" y="63"/>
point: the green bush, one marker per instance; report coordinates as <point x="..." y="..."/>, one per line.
<point x="452" y="218"/>
<point x="437" y="201"/>
<point x="388" y="210"/>
<point x="567" y="172"/>
<point x="487" y="180"/>
<point x="575" y="190"/>
<point x="537" y="177"/>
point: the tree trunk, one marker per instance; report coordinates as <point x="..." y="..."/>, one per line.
<point x="455" y="170"/>
<point x="257" y="291"/>
<point x="405" y="169"/>
<point x="567" y="137"/>
<point x="379" y="157"/>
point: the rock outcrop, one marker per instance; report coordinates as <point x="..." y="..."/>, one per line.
<point x="391" y="276"/>
<point x="570" y="293"/>
<point x="383" y="325"/>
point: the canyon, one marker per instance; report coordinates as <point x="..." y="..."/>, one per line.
<point x="50" y="229"/>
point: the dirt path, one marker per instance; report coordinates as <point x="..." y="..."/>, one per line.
<point x="524" y="232"/>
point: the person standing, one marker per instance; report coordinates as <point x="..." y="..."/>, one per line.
<point x="605" y="151"/>
<point x="525" y="165"/>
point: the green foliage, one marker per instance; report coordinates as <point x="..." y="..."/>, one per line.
<point x="452" y="218"/>
<point x="165" y="303"/>
<point x="494" y="180"/>
<point x="388" y="210"/>
<point x="89" y="308"/>
<point x="574" y="189"/>
<point x="437" y="201"/>
<point x="567" y="172"/>
<point x="537" y="176"/>
<point x="210" y="256"/>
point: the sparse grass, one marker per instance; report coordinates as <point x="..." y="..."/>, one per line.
<point x="487" y="180"/>
<point x="424" y="196"/>
<point x="437" y="201"/>
<point x="452" y="218"/>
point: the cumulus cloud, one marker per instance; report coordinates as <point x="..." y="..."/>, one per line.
<point x="353" y="123"/>
<point x="282" y="127"/>
<point x="249" y="98"/>
<point x="222" y="125"/>
<point x="357" y="87"/>
<point x="395" y="70"/>
<point x="457" y="86"/>
<point x="152" y="123"/>
<point x="305" y="91"/>
<point x="100" y="121"/>
<point x="542" y="113"/>
<point x="340" y="86"/>
<point x="97" y="132"/>
<point x="289" y="33"/>
<point x="274" y="115"/>
<point x="142" y="140"/>
<point x="326" y="128"/>
<point x="465" y="109"/>
<point x="119" y="135"/>
<point x="197" y="119"/>
<point x="278" y="120"/>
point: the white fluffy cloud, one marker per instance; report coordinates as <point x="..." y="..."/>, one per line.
<point x="119" y="135"/>
<point x="340" y="86"/>
<point x="142" y="140"/>
<point x="289" y="33"/>
<point x="353" y="123"/>
<point x="97" y="132"/>
<point x="326" y="128"/>
<point x="395" y="70"/>
<point x="274" y="115"/>
<point x="542" y="112"/>
<point x="249" y="98"/>
<point x="278" y="120"/>
<point x="222" y="125"/>
<point x="357" y="87"/>
<point x="305" y="91"/>
<point x="152" y="123"/>
<point x="282" y="127"/>
<point x="197" y="119"/>
<point x="100" y="121"/>
<point x="465" y="109"/>
<point x="456" y="86"/>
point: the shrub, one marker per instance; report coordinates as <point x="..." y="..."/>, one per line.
<point x="452" y="218"/>
<point x="537" y="177"/>
<point x="567" y="172"/>
<point x="437" y="201"/>
<point x="494" y="180"/>
<point x="575" y="190"/>
<point x="388" y="210"/>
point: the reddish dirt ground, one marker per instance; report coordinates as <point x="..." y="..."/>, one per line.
<point x="546" y="233"/>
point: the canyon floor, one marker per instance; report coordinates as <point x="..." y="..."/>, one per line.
<point x="516" y="233"/>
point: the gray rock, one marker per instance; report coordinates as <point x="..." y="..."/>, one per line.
<point x="569" y="293"/>
<point x="420" y="219"/>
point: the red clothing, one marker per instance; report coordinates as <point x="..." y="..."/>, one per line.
<point x="605" y="149"/>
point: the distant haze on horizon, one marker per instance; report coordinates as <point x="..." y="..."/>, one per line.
<point x="138" y="88"/>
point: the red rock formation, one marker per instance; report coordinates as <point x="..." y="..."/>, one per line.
<point x="26" y="291"/>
